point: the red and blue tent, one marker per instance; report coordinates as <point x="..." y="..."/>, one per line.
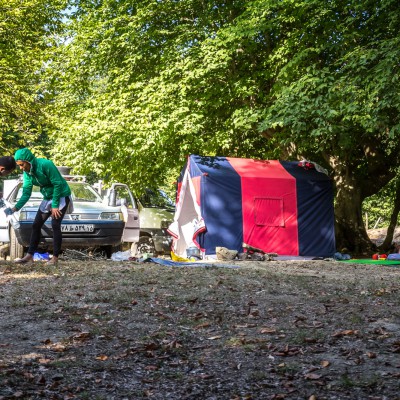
<point x="283" y="207"/>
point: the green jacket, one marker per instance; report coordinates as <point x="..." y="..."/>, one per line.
<point x="45" y="174"/>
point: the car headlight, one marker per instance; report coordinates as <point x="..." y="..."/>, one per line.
<point x="116" y="216"/>
<point x="27" y="215"/>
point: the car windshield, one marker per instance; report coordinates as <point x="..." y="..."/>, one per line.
<point x="156" y="199"/>
<point x="80" y="192"/>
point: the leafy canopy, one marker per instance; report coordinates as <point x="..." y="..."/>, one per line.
<point x="141" y="84"/>
<point x="28" y="32"/>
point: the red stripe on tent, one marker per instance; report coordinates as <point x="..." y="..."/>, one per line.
<point x="269" y="206"/>
<point x="178" y="192"/>
<point x="196" y="184"/>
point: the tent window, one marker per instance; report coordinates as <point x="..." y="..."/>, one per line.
<point x="268" y="211"/>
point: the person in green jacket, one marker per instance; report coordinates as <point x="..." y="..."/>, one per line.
<point x="56" y="200"/>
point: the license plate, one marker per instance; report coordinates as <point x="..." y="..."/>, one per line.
<point x="77" y="228"/>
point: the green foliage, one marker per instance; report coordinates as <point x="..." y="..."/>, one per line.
<point x="379" y="207"/>
<point x="28" y="32"/>
<point x="144" y="84"/>
<point x="341" y="85"/>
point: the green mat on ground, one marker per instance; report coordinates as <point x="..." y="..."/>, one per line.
<point x="370" y="261"/>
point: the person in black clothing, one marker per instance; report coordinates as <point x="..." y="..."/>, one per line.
<point x="7" y="165"/>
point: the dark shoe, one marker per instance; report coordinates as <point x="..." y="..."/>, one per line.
<point x="25" y="261"/>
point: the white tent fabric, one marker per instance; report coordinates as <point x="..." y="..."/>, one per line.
<point x="188" y="221"/>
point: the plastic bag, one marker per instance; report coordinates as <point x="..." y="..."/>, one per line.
<point x="121" y="256"/>
<point x="41" y="257"/>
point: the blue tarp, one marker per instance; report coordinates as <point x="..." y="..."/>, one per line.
<point x="170" y="263"/>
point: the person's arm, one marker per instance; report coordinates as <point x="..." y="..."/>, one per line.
<point x="26" y="193"/>
<point x="58" y="183"/>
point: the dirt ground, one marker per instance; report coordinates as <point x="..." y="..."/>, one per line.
<point x="244" y="330"/>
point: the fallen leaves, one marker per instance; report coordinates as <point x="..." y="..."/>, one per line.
<point x="81" y="337"/>
<point x="272" y="334"/>
<point x="268" y="331"/>
<point x="203" y="325"/>
<point x="325" y="363"/>
<point x="312" y="376"/>
<point x="58" y="347"/>
<point x="288" y="351"/>
<point x="347" y="332"/>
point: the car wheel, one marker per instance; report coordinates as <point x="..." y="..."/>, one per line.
<point x="16" y="249"/>
<point x="144" y="245"/>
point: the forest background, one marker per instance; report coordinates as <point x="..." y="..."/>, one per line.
<point x="125" y="90"/>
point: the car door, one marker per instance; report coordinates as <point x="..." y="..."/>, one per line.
<point x="121" y="196"/>
<point x="8" y="187"/>
<point x="4" y="233"/>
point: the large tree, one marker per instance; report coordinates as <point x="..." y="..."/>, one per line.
<point x="338" y="100"/>
<point x="143" y="83"/>
<point x="28" y="31"/>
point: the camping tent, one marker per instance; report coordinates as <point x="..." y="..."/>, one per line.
<point x="285" y="207"/>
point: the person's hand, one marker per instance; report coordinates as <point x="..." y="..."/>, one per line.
<point x="8" y="211"/>
<point x="55" y="213"/>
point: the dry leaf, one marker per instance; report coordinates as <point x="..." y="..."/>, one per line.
<point x="192" y="300"/>
<point x="312" y="376"/>
<point x="310" y="340"/>
<point x="206" y="376"/>
<point x="28" y="375"/>
<point x="151" y="368"/>
<point x="203" y="325"/>
<point x="347" y="332"/>
<point x="44" y="360"/>
<point x="268" y="330"/>
<point x="173" y="344"/>
<point x="58" y="347"/>
<point x="102" y="357"/>
<point x="325" y="364"/>
<point x="82" y="336"/>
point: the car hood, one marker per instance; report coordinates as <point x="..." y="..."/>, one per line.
<point x="79" y="206"/>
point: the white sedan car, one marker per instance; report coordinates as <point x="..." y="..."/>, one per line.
<point x="93" y="224"/>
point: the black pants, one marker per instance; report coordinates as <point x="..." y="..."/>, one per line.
<point x="40" y="219"/>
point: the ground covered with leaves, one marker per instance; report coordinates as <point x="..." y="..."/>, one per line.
<point x="247" y="330"/>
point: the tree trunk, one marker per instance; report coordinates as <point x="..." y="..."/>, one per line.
<point x="351" y="235"/>
<point x="387" y="243"/>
